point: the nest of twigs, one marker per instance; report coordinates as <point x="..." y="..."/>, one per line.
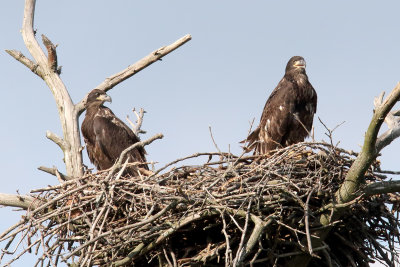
<point x="236" y="210"/>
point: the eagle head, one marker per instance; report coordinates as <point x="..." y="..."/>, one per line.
<point x="98" y="97"/>
<point x="296" y="63"/>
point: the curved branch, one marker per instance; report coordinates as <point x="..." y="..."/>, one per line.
<point x="348" y="190"/>
<point x="259" y="226"/>
<point x="56" y="139"/>
<point x="369" y="150"/>
<point x="28" y="34"/>
<point x="121" y="76"/>
<point x="388" y="137"/>
<point x="393" y="122"/>
<point x="69" y="120"/>
<point x="68" y="112"/>
<point x="139" y="144"/>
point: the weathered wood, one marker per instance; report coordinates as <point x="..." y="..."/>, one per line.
<point x="66" y="109"/>
<point x="121" y="76"/>
<point x="393" y="122"/>
<point x="27" y="62"/>
<point x="19" y="201"/>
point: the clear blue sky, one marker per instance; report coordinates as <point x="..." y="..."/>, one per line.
<point x="221" y="78"/>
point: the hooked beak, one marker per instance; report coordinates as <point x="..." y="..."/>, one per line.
<point x="104" y="98"/>
<point x="300" y="64"/>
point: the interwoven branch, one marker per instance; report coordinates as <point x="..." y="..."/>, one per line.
<point x="223" y="212"/>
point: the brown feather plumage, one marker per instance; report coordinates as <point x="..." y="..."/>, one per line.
<point x="106" y="136"/>
<point x="288" y="113"/>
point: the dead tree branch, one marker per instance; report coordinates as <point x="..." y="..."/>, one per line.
<point x="35" y="68"/>
<point x="56" y="139"/>
<point x="121" y="76"/>
<point x="66" y="110"/>
<point x="154" y="56"/>
<point x="256" y="214"/>
<point x="137" y="127"/>
<point x="393" y="122"/>
<point x="19" y="201"/>
<point x="54" y="171"/>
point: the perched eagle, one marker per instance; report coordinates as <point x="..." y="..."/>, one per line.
<point x="288" y="114"/>
<point x="106" y="136"/>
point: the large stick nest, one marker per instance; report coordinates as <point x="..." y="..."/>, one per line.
<point x="236" y="210"/>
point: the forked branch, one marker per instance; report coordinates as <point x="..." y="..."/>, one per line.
<point x="137" y="127"/>
<point x="47" y="66"/>
<point x="393" y="122"/>
<point x="369" y="150"/>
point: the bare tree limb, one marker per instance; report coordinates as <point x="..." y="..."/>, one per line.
<point x="35" y="68"/>
<point x="56" y="139"/>
<point x="307" y="223"/>
<point x="387" y="137"/>
<point x="383" y="187"/>
<point x="156" y="55"/>
<point x="259" y="226"/>
<point x="369" y="150"/>
<point x="67" y="113"/>
<point x="54" y="171"/>
<point x="136" y="127"/>
<point x="240" y="253"/>
<point x="393" y="122"/>
<point x="19" y="201"/>
<point x="121" y="76"/>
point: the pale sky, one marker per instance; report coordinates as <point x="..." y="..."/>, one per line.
<point x="221" y="78"/>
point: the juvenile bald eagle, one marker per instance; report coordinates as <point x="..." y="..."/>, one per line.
<point x="106" y="136"/>
<point x="288" y="115"/>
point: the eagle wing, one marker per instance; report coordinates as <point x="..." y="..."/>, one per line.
<point x="112" y="137"/>
<point x="277" y="115"/>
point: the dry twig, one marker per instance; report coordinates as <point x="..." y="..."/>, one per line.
<point x="177" y="216"/>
